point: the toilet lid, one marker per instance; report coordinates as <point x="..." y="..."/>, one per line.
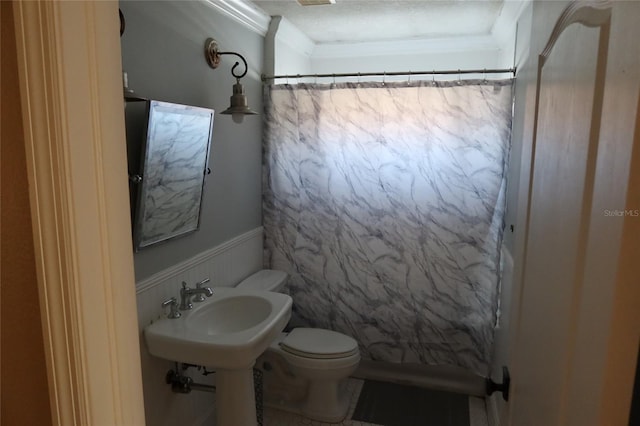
<point x="319" y="343"/>
<point x="265" y="279"/>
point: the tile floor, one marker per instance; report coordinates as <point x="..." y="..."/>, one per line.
<point x="273" y="417"/>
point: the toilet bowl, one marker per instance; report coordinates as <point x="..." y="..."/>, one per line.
<point x="305" y="370"/>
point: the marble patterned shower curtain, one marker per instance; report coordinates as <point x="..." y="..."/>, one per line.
<point x="385" y="204"/>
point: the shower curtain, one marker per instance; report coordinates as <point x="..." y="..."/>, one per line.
<point x="385" y="203"/>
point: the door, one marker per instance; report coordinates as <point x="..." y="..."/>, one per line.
<point x="576" y="216"/>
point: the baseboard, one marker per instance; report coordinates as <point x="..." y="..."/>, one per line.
<point x="444" y="378"/>
<point x="493" y="414"/>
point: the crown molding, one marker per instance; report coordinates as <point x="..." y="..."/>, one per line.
<point x="243" y="12"/>
<point x="405" y="47"/>
<point x="257" y="20"/>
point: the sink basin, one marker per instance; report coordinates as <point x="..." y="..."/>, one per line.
<point x="227" y="331"/>
<point x="230" y="314"/>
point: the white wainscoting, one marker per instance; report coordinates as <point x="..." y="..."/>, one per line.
<point x="225" y="265"/>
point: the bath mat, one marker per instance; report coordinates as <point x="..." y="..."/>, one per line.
<point x="390" y="404"/>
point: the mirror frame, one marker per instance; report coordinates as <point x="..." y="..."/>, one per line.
<point x="157" y="145"/>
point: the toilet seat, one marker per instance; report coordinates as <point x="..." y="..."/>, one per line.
<point x="317" y="343"/>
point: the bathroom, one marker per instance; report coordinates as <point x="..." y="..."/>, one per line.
<point x="229" y="244"/>
<point x="160" y="37"/>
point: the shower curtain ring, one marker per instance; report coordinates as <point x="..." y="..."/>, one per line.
<point x="334" y="79"/>
<point x="484" y="75"/>
<point x="433" y="76"/>
<point x="409" y="78"/>
<point x="384" y="77"/>
<point x="315" y="81"/>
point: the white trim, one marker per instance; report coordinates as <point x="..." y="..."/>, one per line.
<point x="405" y="47"/>
<point x="493" y="414"/>
<point x="591" y="14"/>
<point x="182" y="267"/>
<point x="257" y="20"/>
<point x="71" y="90"/>
<point x="478" y="411"/>
<point x="269" y="64"/>
<point x="243" y="12"/>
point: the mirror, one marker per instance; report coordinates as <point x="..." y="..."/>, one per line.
<point x="172" y="172"/>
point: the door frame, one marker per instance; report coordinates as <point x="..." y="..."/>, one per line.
<point x="71" y="90"/>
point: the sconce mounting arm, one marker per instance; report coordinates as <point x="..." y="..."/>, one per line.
<point x="212" y="54"/>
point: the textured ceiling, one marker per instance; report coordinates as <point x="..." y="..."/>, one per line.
<point x="376" y="20"/>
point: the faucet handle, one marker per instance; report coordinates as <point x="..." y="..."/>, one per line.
<point x="173" y="303"/>
<point x="201" y="283"/>
<point x="200" y="297"/>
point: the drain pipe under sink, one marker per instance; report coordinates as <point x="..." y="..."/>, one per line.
<point x="185" y="384"/>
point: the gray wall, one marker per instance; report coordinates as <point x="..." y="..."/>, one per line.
<point x="162" y="52"/>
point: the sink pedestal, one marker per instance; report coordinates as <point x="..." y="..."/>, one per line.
<point x="235" y="398"/>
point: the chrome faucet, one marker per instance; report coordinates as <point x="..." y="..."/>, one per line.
<point x="186" y="293"/>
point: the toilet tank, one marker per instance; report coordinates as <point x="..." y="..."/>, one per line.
<point x="265" y="279"/>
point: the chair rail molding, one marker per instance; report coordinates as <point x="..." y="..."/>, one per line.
<point x="206" y="258"/>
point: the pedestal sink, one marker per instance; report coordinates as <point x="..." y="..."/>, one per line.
<point x="227" y="332"/>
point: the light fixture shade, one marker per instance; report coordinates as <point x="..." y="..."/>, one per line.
<point x="239" y="104"/>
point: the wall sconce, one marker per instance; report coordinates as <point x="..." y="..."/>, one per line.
<point x="239" y="105"/>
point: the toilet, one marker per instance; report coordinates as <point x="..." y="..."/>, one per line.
<point x="305" y="370"/>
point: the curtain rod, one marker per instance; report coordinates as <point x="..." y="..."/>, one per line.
<point x="392" y="73"/>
